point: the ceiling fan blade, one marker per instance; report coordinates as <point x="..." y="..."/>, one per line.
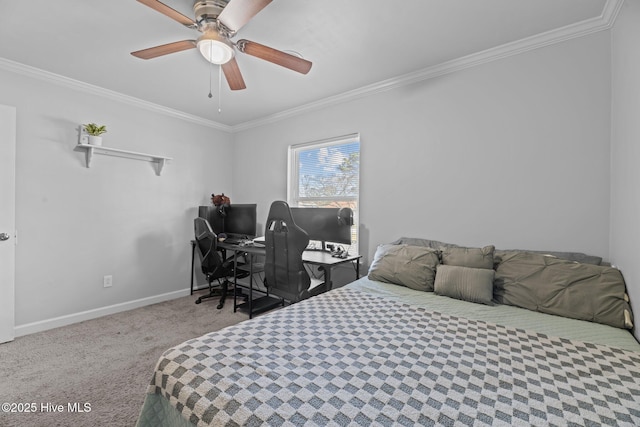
<point x="170" y="12"/>
<point x="276" y="56"/>
<point x="233" y="75"/>
<point x="165" y="49"/>
<point x="238" y="12"/>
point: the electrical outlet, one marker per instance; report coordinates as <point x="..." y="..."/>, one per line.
<point x="107" y="282"/>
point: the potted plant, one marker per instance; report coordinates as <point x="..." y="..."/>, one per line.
<point x="94" y="132"/>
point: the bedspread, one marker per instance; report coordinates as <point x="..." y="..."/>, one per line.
<point x="350" y="358"/>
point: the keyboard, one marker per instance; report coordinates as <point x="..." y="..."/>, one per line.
<point x="238" y="240"/>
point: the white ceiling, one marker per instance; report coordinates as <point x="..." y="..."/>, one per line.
<point x="353" y="44"/>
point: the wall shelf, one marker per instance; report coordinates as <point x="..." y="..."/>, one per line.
<point x="90" y="150"/>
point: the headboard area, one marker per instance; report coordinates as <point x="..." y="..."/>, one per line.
<point x="569" y="284"/>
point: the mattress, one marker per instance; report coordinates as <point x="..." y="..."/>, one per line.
<point x="379" y="354"/>
<point x="505" y="315"/>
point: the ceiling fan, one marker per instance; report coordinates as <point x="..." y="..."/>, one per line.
<point x="219" y="21"/>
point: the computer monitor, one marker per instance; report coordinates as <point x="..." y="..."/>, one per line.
<point x="322" y="224"/>
<point x="240" y="221"/>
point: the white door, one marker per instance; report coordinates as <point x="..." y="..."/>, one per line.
<point x="7" y="221"/>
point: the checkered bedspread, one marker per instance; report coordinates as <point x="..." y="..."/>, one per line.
<point x="350" y="358"/>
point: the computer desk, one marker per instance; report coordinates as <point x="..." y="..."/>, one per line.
<point x="324" y="260"/>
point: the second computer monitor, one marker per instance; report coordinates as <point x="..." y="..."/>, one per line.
<point x="322" y="224"/>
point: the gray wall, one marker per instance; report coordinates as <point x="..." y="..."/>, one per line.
<point x="625" y="151"/>
<point x="118" y="217"/>
<point x="513" y="153"/>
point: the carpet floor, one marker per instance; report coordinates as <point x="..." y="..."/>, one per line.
<point x="101" y="366"/>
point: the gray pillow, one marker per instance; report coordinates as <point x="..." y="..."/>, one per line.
<point x="410" y="266"/>
<point x="435" y="244"/>
<point x="571" y="256"/>
<point x="416" y="241"/>
<point x="564" y="288"/>
<point x="468" y="284"/>
<point x="468" y="257"/>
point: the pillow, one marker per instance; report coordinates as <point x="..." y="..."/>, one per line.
<point x="410" y="266"/>
<point x="416" y="241"/>
<point x="571" y="256"/>
<point x="565" y="288"/>
<point x="468" y="257"/>
<point x="468" y="284"/>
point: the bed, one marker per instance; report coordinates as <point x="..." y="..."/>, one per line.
<point x="381" y="353"/>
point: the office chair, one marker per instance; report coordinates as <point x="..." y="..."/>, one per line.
<point x="211" y="261"/>
<point x="285" y="275"/>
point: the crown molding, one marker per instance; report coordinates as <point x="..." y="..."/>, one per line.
<point x="610" y="11"/>
<point x="580" y="29"/>
<point x="59" y="80"/>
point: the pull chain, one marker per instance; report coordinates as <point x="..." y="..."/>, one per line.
<point x="220" y="89"/>
<point x="210" y="77"/>
<point x="219" y="82"/>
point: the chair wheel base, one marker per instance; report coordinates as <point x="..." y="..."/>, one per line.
<point x="198" y="301"/>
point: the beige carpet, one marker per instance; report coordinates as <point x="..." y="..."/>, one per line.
<point x="106" y="362"/>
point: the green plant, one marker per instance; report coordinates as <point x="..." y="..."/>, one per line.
<point x="94" y="129"/>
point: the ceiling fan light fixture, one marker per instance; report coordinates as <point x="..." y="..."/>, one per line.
<point x="215" y="49"/>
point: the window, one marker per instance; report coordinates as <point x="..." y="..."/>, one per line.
<point x="327" y="174"/>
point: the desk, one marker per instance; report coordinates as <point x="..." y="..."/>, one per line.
<point x="313" y="257"/>
<point x="328" y="262"/>
<point x="322" y="259"/>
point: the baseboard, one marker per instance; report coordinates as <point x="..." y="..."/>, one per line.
<point x="56" y="322"/>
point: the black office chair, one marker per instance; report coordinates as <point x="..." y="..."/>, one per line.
<point x="285" y="275"/>
<point x="213" y="267"/>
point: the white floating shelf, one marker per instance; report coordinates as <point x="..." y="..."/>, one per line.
<point x="99" y="149"/>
